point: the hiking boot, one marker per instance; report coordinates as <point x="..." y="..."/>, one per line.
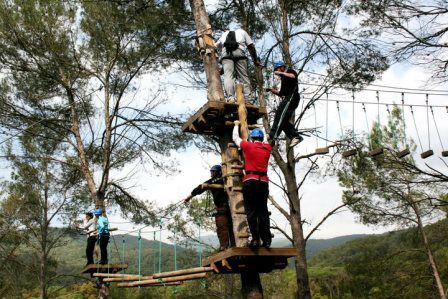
<point x="254" y="243"/>
<point x="295" y="141"/>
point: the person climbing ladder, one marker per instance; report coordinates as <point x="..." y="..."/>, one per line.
<point x="221" y="200"/>
<point x="256" y="184"/>
<point x="290" y="101"/>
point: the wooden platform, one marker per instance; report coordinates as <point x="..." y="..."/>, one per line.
<point x="110" y="268"/>
<point x="211" y="118"/>
<point x="237" y="259"/>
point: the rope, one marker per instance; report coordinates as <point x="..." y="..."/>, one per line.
<point x="160" y="249"/>
<point x="315" y="125"/>
<point x="340" y="120"/>
<point x="416" y="130"/>
<point x="404" y="121"/>
<point x="326" y="121"/>
<point x="139" y="242"/>
<point x="437" y="128"/>
<point x="427" y="120"/>
<point x="353" y="116"/>
<point x="367" y="125"/>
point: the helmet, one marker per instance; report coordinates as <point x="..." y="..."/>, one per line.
<point x="278" y="64"/>
<point x="216" y="168"/>
<point x="98" y="211"/>
<point x="256" y="133"/>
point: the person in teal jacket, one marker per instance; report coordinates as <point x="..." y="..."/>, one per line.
<point x="103" y="234"/>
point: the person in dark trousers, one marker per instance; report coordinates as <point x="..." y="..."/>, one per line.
<point x="256" y="184"/>
<point x="290" y="101"/>
<point x="221" y="200"/>
<point x="234" y="61"/>
<point x="89" y="228"/>
<point x="103" y="234"/>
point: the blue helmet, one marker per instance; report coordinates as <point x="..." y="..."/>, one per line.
<point x="278" y="64"/>
<point x="256" y="133"/>
<point x="98" y="211"/>
<point x="216" y="168"/>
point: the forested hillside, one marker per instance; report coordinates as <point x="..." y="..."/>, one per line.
<point x="392" y="265"/>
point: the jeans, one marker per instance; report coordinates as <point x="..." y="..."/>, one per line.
<point x="91" y="241"/>
<point x="286" y="125"/>
<point x="103" y="240"/>
<point x="255" y="193"/>
<point x="235" y="65"/>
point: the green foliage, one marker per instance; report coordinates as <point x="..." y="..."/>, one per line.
<point x="393" y="265"/>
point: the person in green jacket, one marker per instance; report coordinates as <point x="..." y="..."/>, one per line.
<point x="103" y="234"/>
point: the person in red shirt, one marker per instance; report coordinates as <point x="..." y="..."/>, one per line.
<point x="256" y="184"/>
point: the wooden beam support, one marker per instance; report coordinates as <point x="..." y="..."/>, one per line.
<point x="183" y="272"/>
<point x="163" y="280"/>
<point x="242" y="112"/>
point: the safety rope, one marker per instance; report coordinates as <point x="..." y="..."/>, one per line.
<point x="326" y="121"/>
<point x="340" y="120"/>
<point x="404" y="121"/>
<point x="416" y="130"/>
<point x="367" y="125"/>
<point x="437" y="128"/>
<point x="427" y="120"/>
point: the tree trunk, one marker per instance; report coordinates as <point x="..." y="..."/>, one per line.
<point x="432" y="261"/>
<point x="303" y="287"/>
<point x="251" y="287"/>
<point x="206" y="47"/>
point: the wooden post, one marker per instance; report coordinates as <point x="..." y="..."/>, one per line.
<point x="242" y="112"/>
<point x="206" y="46"/>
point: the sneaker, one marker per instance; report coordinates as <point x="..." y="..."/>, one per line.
<point x="267" y="244"/>
<point x="295" y="141"/>
<point x="254" y="243"/>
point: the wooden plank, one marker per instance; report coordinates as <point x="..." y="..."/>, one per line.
<point x="349" y="153"/>
<point x="427" y="154"/>
<point x="322" y="150"/>
<point x="183" y="272"/>
<point x="403" y="153"/>
<point x="168" y="284"/>
<point x="245" y="251"/>
<point x="126" y="278"/>
<point x="376" y="152"/>
<point x="163" y="280"/>
<point x="112" y="275"/>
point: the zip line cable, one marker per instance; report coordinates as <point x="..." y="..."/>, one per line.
<point x="390" y="87"/>
<point x="375" y="103"/>
<point x="382" y="90"/>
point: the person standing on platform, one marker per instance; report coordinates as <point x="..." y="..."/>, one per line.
<point x="289" y="94"/>
<point x="89" y="228"/>
<point x="103" y="234"/>
<point x="233" y="44"/>
<point x="223" y="218"/>
<point x="256" y="184"/>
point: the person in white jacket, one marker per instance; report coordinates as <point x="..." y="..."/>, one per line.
<point x="89" y="228"/>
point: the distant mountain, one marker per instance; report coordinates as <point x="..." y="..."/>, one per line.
<point x="313" y="245"/>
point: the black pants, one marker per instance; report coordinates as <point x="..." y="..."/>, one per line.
<point x="103" y="240"/>
<point x="285" y="125"/>
<point x="91" y="241"/>
<point x="256" y="194"/>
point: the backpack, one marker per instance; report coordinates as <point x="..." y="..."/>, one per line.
<point x="231" y="44"/>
